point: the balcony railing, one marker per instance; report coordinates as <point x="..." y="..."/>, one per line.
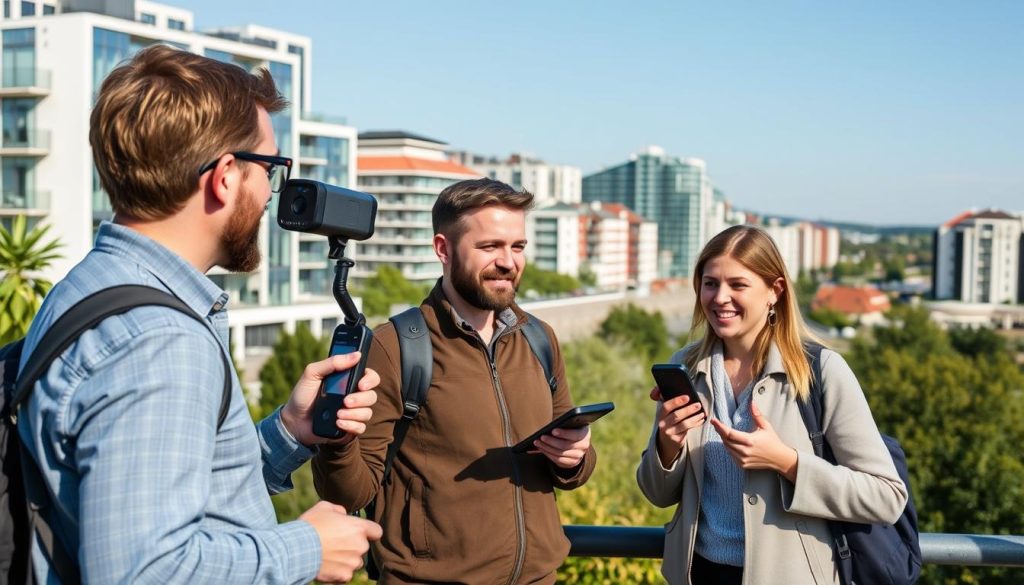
<point x="25" y="78"/>
<point x="26" y="140"/>
<point x="325" y="118"/>
<point x="22" y="201"/>
<point x="648" y="542"/>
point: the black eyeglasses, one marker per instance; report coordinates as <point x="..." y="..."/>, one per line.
<point x="279" y="168"/>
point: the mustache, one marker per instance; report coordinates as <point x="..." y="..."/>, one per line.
<point x="499" y="274"/>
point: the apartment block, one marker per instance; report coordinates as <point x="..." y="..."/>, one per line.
<point x="406" y="172"/>
<point x="55" y="56"/>
<point x="979" y="258"/>
<point x="549" y="183"/>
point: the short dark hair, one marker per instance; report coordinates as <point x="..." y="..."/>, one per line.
<point x="460" y="198"/>
<point x="165" y="113"/>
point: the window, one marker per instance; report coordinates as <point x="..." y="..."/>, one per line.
<point x="146" y="18"/>
<point x="28" y="8"/>
<point x="175" y="24"/>
<point x="49" y="9"/>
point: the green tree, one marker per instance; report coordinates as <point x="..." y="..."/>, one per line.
<point x="22" y="253"/>
<point x="291" y="354"/>
<point x="894" y="267"/>
<point x="587" y="276"/>
<point x="960" y="419"/>
<point x="829" y="318"/>
<point x="546" y="282"/>
<point x="598" y="372"/>
<point x="643" y="333"/>
<point x="388" y="287"/>
<point x="974" y="342"/>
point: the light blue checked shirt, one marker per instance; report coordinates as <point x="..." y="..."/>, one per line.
<point x="148" y="491"/>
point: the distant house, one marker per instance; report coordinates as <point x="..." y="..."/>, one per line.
<point x="864" y="304"/>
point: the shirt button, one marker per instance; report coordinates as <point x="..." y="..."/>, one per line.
<point x="752" y="500"/>
<point x="760" y="390"/>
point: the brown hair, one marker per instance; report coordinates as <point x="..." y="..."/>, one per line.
<point x="460" y="198"/>
<point x="755" y="249"/>
<point x="164" y="114"/>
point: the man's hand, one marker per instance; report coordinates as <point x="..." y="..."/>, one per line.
<point x="297" y="414"/>
<point x="344" y="540"/>
<point x="565" y="447"/>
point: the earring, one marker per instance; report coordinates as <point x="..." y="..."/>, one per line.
<point x="772" y="317"/>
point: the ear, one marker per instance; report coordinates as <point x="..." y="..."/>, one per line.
<point x="222" y="183"/>
<point x="442" y="247"/>
<point x="779" y="286"/>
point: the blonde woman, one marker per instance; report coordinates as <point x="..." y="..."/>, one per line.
<point x="753" y="499"/>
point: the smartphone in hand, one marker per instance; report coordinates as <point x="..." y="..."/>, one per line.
<point x="573" y="418"/>
<point x="335" y="387"/>
<point x="674" y="380"/>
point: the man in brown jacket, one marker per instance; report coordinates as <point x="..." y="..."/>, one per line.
<point x="459" y="506"/>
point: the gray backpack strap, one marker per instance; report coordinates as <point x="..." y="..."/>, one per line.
<point x="540" y="343"/>
<point x="417" y="358"/>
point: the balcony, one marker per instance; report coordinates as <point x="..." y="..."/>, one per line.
<point x="26" y="202"/>
<point x="25" y="82"/>
<point x="312" y="155"/>
<point x="324" y="118"/>
<point x="25" y="143"/>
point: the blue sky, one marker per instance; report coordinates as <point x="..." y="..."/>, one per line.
<point x="881" y="112"/>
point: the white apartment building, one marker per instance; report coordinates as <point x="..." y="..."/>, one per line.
<point x="553" y="238"/>
<point x="979" y="258"/>
<point x="549" y="183"/>
<point x="805" y="246"/>
<point x="55" y="56"/>
<point x="607" y="246"/>
<point x="406" y="172"/>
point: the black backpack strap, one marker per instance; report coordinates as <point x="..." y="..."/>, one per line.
<point x="813" y="411"/>
<point x="540" y="343"/>
<point x="88" y="313"/>
<point x="417" y="358"/>
<point x="83" y="316"/>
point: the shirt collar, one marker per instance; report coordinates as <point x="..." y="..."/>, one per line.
<point x="181" y="278"/>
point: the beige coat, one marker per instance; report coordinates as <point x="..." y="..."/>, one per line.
<point x="788" y="539"/>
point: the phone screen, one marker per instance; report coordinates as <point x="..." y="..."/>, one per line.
<point x="338" y="381"/>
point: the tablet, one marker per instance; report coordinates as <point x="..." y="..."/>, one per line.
<point x="571" y="419"/>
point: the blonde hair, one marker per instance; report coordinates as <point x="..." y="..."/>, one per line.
<point x="755" y="250"/>
<point x="164" y="114"/>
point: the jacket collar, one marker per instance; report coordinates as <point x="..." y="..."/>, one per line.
<point x="509" y="319"/>
<point x="772" y="365"/>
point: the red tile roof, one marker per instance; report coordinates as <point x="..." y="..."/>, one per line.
<point x="851" y="300"/>
<point x="408" y="163"/>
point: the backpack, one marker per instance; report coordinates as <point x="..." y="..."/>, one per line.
<point x="866" y="554"/>
<point x="417" y="359"/>
<point x="24" y="496"/>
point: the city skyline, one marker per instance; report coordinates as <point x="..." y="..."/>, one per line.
<point x="877" y="113"/>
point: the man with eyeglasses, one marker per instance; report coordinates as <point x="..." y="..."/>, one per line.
<point x="147" y="484"/>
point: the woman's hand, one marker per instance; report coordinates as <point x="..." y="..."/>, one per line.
<point x="760" y="449"/>
<point x="675" y="418"/>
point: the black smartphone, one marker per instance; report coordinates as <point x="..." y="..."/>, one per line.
<point x="674" y="380"/>
<point x="570" y="419"/>
<point x="335" y="387"/>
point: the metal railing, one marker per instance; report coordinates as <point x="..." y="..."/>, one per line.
<point x="981" y="550"/>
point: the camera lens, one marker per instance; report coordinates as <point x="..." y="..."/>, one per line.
<point x="299" y="205"/>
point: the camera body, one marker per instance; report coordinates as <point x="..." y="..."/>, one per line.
<point x="318" y="208"/>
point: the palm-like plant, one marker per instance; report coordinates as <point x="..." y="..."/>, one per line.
<point x="22" y="254"/>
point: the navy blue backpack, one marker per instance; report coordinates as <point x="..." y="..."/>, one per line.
<point x="866" y="554"/>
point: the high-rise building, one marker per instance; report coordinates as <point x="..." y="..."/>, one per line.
<point x="979" y="258"/>
<point x="673" y="192"/>
<point x="406" y="172"/>
<point x="549" y="183"/>
<point x="55" y="56"/>
<point x="604" y="238"/>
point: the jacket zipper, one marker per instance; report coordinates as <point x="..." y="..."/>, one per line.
<point x="518" y="498"/>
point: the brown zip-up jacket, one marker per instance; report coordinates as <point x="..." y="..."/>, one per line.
<point x="460" y="507"/>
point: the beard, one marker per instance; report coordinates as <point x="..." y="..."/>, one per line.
<point x="471" y="286"/>
<point x="241" y="236"/>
